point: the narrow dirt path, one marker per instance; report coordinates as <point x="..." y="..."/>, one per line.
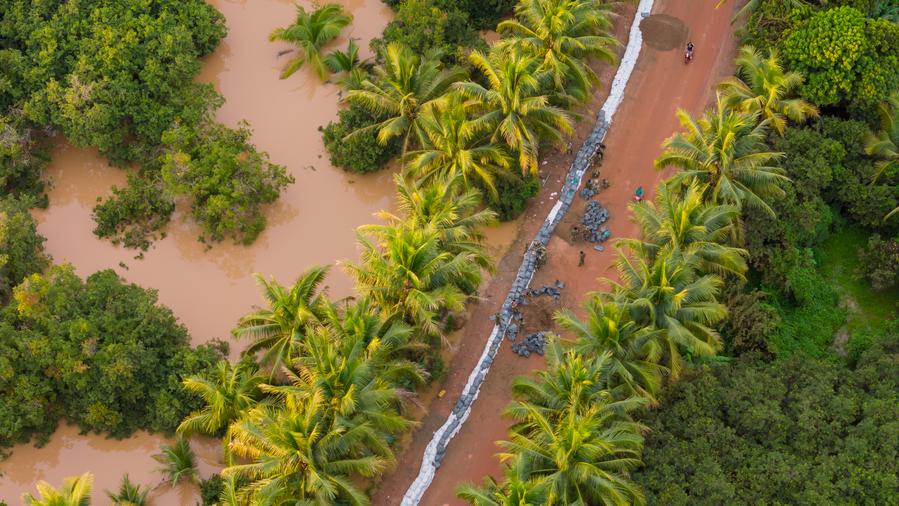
<point x="659" y="85"/>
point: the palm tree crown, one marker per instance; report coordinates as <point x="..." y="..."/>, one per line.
<point x="401" y="89"/>
<point x="279" y="330"/>
<point x="884" y="145"/>
<point x="453" y="148"/>
<point x="513" y="105"/>
<point x="75" y="491"/>
<point x="766" y="89"/>
<point x="609" y="330"/>
<point x="725" y="150"/>
<point x="562" y="35"/>
<point x="309" y="33"/>
<point x="679" y="222"/>
<point x="667" y="295"/>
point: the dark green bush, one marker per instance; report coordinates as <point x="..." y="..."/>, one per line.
<point x="133" y="215"/>
<point x="426" y="26"/>
<point x="879" y="262"/>
<point x="360" y="153"/>
<point x="514" y="194"/>
<point x="23" y="157"/>
<point x="795" y="431"/>
<point x="99" y="352"/>
<point x="211" y="490"/>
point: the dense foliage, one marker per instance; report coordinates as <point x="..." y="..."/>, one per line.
<point x="361" y="152"/>
<point x="98" y="352"/>
<point x="21" y="247"/>
<point x="794" y="431"/>
<point x="118" y="76"/>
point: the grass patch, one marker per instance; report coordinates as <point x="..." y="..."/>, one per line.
<point x="838" y="261"/>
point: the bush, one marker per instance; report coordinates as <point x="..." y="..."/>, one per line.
<point x="134" y="214"/>
<point x="749" y="321"/>
<point x="514" y="194"/>
<point x="21" y="247"/>
<point x="99" y="352"/>
<point x="484" y="14"/>
<point x="225" y="178"/>
<point x="22" y="159"/>
<point x="361" y="153"/>
<point x="795" y="431"/>
<point x="879" y="262"/>
<point x="211" y="490"/>
<point x="425" y="26"/>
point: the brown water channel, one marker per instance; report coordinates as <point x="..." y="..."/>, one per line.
<point x="312" y="224"/>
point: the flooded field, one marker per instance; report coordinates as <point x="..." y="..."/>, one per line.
<point x="312" y="224"/>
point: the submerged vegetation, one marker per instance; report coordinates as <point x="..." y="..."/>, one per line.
<point x="741" y="355"/>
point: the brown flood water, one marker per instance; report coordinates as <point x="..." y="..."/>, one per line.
<point x="312" y="224"/>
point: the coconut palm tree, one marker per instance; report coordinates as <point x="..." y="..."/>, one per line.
<point x="725" y="150"/>
<point x="609" y="330"/>
<point x="667" y="295"/>
<point x="178" y="462"/>
<point x="513" y="105"/>
<point x="353" y="379"/>
<point x="766" y="89"/>
<point x="228" y="393"/>
<point x="354" y="69"/>
<point x="75" y="491"/>
<point x="513" y="491"/>
<point x="884" y="145"/>
<point x="455" y="147"/>
<point x="279" y="330"/>
<point x="129" y="494"/>
<point x="401" y="89"/>
<point x="310" y="32"/>
<point x="455" y="213"/>
<point x="562" y="35"/>
<point x="297" y="454"/>
<point x="573" y="438"/>
<point x="680" y="222"/>
<point x="406" y="274"/>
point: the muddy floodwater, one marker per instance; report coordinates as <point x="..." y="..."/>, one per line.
<point x="312" y="224"/>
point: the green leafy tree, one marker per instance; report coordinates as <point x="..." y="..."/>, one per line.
<point x="310" y="32"/>
<point x="403" y="88"/>
<point x="514" y="106"/>
<point x="562" y="35"/>
<point x="667" y="295"/>
<point x="679" y="222"/>
<point x="21" y="247"/>
<point x="766" y="89"/>
<point x="129" y="494"/>
<point x="178" y="463"/>
<point x="280" y="329"/>
<point x="297" y="453"/>
<point x="846" y="59"/>
<point x="513" y="491"/>
<point x="608" y="329"/>
<point x="726" y="151"/>
<point x="456" y="148"/>
<point x="76" y="491"/>
<point x="352" y="141"/>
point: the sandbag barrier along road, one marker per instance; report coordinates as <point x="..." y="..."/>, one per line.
<point x="436" y="448"/>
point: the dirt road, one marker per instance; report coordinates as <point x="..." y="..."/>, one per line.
<point x="659" y="85"/>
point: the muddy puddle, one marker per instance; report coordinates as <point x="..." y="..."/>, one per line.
<point x="312" y="224"/>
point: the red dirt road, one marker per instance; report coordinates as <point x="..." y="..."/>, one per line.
<point x="659" y="85"/>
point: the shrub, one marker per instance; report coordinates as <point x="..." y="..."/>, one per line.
<point x="425" y="26"/>
<point x="133" y="215"/>
<point x="225" y="178"/>
<point x="360" y="153"/>
<point x="22" y="159"/>
<point x="211" y="490"/>
<point x="879" y="262"/>
<point x="514" y="193"/>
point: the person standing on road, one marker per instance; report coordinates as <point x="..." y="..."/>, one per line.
<point x="581" y="256"/>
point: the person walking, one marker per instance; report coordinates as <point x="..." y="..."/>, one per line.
<point x="580" y="261"/>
